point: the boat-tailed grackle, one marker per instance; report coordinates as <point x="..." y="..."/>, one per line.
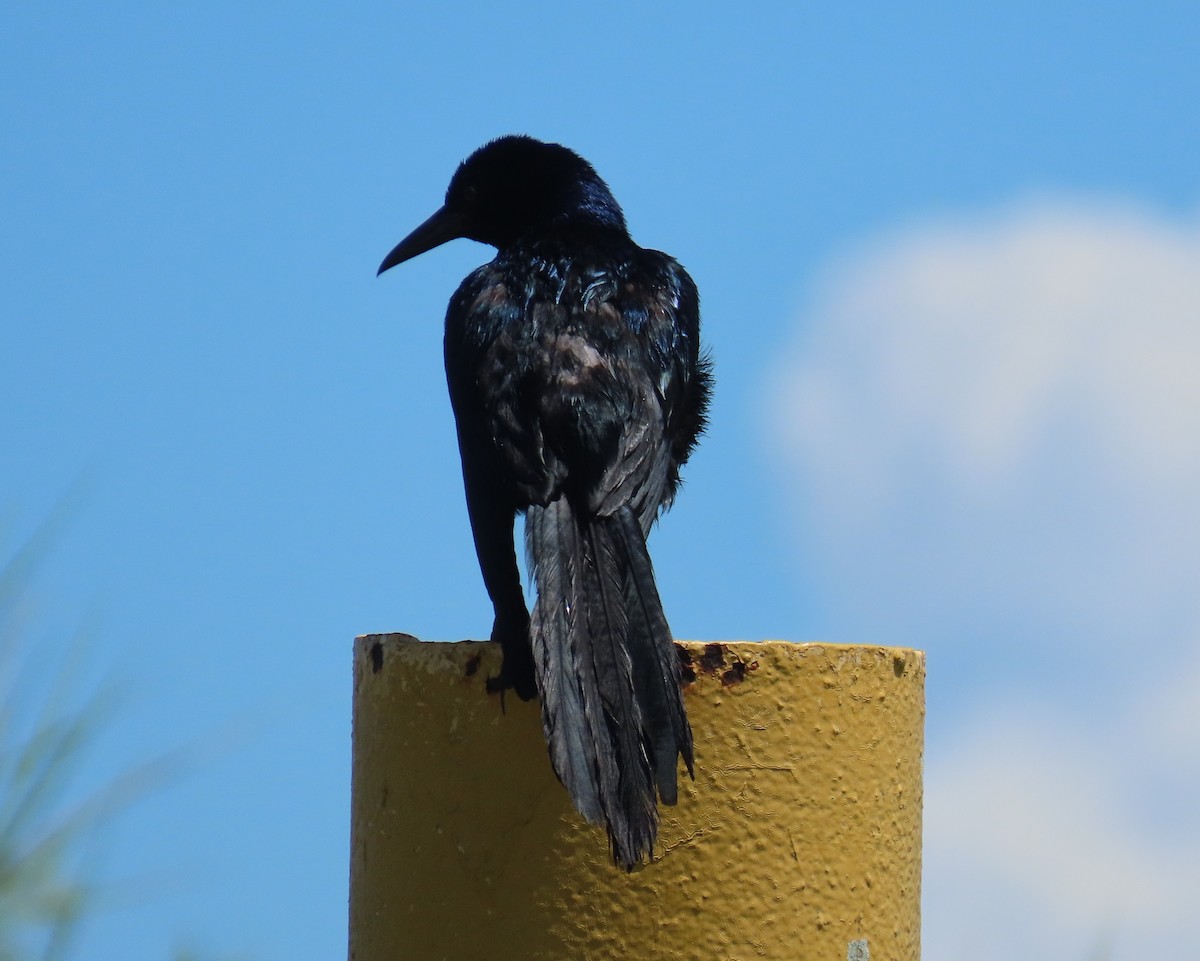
<point x="579" y="390"/>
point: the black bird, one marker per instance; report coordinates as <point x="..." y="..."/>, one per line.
<point x="579" y="390"/>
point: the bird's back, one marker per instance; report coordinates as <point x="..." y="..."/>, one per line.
<point x="581" y="358"/>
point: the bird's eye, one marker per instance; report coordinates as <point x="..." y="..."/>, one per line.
<point x="469" y="194"/>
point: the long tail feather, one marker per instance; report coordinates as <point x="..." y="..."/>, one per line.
<point x="656" y="665"/>
<point x="556" y="560"/>
<point x="606" y="671"/>
<point x="633" y="822"/>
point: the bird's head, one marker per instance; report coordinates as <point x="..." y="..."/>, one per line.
<point x="513" y="188"/>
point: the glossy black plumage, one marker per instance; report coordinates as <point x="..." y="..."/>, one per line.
<point x="579" y="390"/>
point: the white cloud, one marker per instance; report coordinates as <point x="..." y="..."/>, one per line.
<point x="973" y="342"/>
<point x="1043" y="839"/>
<point x="992" y="430"/>
<point x="1007" y="404"/>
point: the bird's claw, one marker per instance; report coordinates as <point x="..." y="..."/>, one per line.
<point x="517" y="669"/>
<point x="525" y="687"/>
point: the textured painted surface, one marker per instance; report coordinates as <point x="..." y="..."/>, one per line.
<point x="799" y="839"/>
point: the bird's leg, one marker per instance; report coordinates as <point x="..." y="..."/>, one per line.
<point x="492" y="526"/>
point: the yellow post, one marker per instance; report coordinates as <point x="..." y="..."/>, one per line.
<point x="799" y="839"/>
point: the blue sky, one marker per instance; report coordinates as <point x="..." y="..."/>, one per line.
<point x="925" y="432"/>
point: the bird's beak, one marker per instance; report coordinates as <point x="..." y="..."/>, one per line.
<point x="442" y="226"/>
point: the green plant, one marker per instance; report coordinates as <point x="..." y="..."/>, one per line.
<point x="47" y="820"/>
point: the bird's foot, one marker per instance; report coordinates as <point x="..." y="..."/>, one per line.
<point x="525" y="687"/>
<point x="517" y="669"/>
<point x="514" y="677"/>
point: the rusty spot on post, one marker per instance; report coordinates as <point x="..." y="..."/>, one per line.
<point x="713" y="658"/>
<point x="687" y="673"/>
